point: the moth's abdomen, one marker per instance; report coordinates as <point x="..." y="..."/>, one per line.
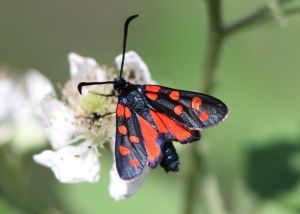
<point x="170" y="160"/>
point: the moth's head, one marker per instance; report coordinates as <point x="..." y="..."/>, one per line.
<point x="119" y="83"/>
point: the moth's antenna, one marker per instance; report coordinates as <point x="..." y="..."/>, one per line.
<point x="128" y="20"/>
<point x="80" y="85"/>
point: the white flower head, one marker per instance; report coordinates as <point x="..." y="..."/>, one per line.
<point x="6" y="93"/>
<point x="20" y="98"/>
<point x="71" y="126"/>
<point x="6" y="108"/>
<point x="75" y="129"/>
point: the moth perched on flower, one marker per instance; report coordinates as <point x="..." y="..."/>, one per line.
<point x="77" y="134"/>
<point x="149" y="117"/>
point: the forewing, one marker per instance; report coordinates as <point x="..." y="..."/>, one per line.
<point x="193" y="110"/>
<point x="130" y="151"/>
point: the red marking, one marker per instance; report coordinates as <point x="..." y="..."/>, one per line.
<point x="122" y="130"/>
<point x="203" y="116"/>
<point x="124" y="150"/>
<point x="178" y="109"/>
<point x="127" y="113"/>
<point x="152" y="96"/>
<point x="162" y="128"/>
<point x="166" y="124"/>
<point x="153" y="88"/>
<point x="196" y="103"/>
<point x="174" y="95"/>
<point x="134" y="139"/>
<point x="134" y="162"/>
<point x="150" y="136"/>
<point x="120" y="110"/>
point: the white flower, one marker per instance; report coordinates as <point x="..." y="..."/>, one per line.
<point x="6" y="94"/>
<point x="20" y="98"/>
<point x="76" y="135"/>
<point x="67" y="123"/>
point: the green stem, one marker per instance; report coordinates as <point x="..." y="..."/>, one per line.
<point x="191" y="181"/>
<point x="215" y="38"/>
<point x="259" y="15"/>
<point x="197" y="163"/>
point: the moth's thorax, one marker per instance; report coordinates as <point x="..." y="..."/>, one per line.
<point x="134" y="97"/>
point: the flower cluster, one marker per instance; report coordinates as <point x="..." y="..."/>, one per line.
<point x="20" y="96"/>
<point x="75" y="131"/>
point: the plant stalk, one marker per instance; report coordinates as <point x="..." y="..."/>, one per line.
<point x="197" y="162"/>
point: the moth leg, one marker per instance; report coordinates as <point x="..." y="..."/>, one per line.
<point x="96" y="116"/>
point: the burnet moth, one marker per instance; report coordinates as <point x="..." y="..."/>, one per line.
<point x="150" y="117"/>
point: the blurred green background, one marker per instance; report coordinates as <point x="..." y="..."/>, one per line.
<point x="255" y="154"/>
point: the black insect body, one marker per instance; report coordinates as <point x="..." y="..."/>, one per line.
<point x="170" y="159"/>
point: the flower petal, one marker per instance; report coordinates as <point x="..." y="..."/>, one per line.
<point x="25" y="130"/>
<point x="10" y="98"/>
<point x="82" y="69"/>
<point x="72" y="164"/>
<point x="135" y="67"/>
<point x="79" y="64"/>
<point x="121" y="189"/>
<point x="59" y="121"/>
<point x="38" y="86"/>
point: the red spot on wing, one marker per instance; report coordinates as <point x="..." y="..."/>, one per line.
<point x="127" y="112"/>
<point x="203" y="116"/>
<point x="175" y="128"/>
<point x="134" y="162"/>
<point x="174" y="95"/>
<point x="150" y="136"/>
<point x="152" y="96"/>
<point x="196" y="103"/>
<point x="178" y="109"/>
<point x="122" y="130"/>
<point x="124" y="150"/>
<point x="134" y="139"/>
<point x="152" y="88"/>
<point x="120" y="110"/>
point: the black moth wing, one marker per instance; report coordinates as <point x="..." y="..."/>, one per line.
<point x="130" y="152"/>
<point x="193" y="110"/>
